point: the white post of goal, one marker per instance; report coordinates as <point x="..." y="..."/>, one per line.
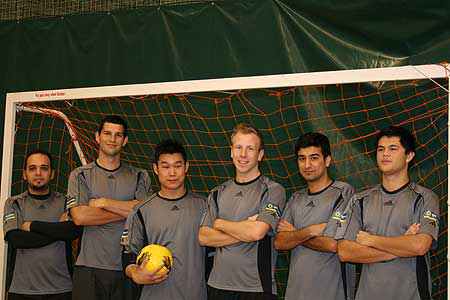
<point x="223" y="84"/>
<point x="7" y="168"/>
<point x="448" y="186"/>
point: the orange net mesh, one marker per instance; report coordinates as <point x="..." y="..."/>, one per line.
<point x="349" y="115"/>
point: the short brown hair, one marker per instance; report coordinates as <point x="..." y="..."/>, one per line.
<point x="247" y="129"/>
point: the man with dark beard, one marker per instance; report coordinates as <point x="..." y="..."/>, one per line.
<point x="38" y="232"/>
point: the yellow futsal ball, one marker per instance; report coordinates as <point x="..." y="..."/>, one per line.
<point x="159" y="259"/>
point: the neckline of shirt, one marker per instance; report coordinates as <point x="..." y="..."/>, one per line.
<point x="395" y="191"/>
<point x="247" y="182"/>
<point x="40" y="197"/>
<point x="108" y="170"/>
<point x="176" y="199"/>
<point x="321" y="191"/>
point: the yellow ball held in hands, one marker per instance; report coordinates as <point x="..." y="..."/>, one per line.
<point x="158" y="259"/>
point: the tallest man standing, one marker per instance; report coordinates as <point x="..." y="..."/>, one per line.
<point x="103" y="193"/>
<point x="242" y="217"/>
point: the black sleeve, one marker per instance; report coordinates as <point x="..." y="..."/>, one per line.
<point x="21" y="239"/>
<point x="65" y="231"/>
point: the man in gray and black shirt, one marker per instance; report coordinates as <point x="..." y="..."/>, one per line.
<point x="171" y="218"/>
<point x="102" y="194"/>
<point x="242" y="217"/>
<point x="392" y="226"/>
<point x="309" y="224"/>
<point x="39" y="235"/>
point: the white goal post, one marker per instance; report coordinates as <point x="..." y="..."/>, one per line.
<point x="14" y="100"/>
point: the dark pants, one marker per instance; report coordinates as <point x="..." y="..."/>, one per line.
<point x="97" y="284"/>
<point x="62" y="296"/>
<point x="216" y="294"/>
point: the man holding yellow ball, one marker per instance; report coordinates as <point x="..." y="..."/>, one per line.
<point x="169" y="218"/>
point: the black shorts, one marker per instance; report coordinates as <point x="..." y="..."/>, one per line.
<point x="62" y="296"/>
<point x="98" y="284"/>
<point x="216" y="294"/>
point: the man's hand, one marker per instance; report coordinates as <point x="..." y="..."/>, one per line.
<point x="317" y="229"/>
<point x="413" y="229"/>
<point x="99" y="202"/>
<point x="253" y="218"/>
<point x="25" y="226"/>
<point x="64" y="217"/>
<point x="141" y="275"/>
<point x="284" y="225"/>
<point x="364" y="238"/>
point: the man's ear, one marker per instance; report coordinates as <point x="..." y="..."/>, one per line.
<point x="328" y="161"/>
<point x="155" y="168"/>
<point x="260" y="155"/>
<point x="410" y="156"/>
<point x="125" y="141"/>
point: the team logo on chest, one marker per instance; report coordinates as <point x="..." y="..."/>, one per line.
<point x="340" y="217"/>
<point x="273" y="209"/>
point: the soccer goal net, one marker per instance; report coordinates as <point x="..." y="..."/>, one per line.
<point x="348" y="106"/>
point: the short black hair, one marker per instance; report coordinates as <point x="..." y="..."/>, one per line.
<point x="114" y="120"/>
<point x="169" y="147"/>
<point x="38" y="151"/>
<point x="313" y="139"/>
<point x="407" y="139"/>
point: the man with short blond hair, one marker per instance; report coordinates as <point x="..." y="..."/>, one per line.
<point x="243" y="214"/>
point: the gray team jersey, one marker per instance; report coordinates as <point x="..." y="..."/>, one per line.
<point x="309" y="270"/>
<point x="175" y="225"/>
<point x="41" y="270"/>
<point x="100" y="245"/>
<point x="247" y="267"/>
<point x="390" y="214"/>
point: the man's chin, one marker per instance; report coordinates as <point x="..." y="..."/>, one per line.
<point x="38" y="188"/>
<point x="112" y="152"/>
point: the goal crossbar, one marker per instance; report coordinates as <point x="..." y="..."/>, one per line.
<point x="13" y="101"/>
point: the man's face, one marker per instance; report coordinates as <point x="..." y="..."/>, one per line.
<point x="111" y="139"/>
<point x="246" y="153"/>
<point x="391" y="156"/>
<point x="38" y="172"/>
<point x="312" y="164"/>
<point x="171" y="170"/>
